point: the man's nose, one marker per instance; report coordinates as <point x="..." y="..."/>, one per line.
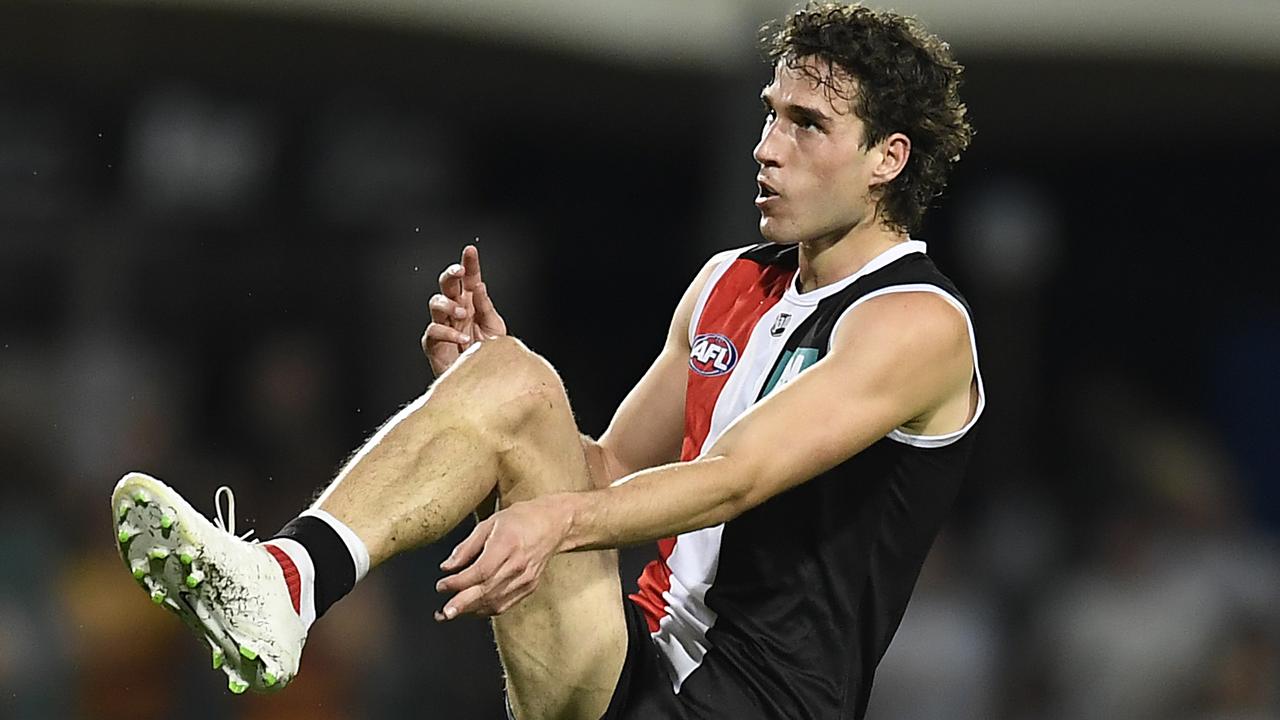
<point x="767" y="151"/>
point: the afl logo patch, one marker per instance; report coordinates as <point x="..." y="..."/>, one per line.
<point x="712" y="354"/>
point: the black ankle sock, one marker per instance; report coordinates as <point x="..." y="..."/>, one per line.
<point x="335" y="569"/>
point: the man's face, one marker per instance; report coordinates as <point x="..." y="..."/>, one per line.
<point x="815" y="177"/>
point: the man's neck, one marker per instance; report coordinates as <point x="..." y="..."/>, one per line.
<point x="825" y="261"/>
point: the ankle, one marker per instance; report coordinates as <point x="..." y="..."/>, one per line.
<point x="321" y="559"/>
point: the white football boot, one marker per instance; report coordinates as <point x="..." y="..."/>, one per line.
<point x="228" y="590"/>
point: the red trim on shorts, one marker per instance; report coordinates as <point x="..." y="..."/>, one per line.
<point x="744" y="293"/>
<point x="291" y="578"/>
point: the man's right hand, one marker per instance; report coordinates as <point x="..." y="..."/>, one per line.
<point x="461" y="313"/>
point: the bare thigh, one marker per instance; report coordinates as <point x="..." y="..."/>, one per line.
<point x="562" y="647"/>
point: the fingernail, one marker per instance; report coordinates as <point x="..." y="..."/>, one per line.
<point x="440" y="586"/>
<point x="466" y="338"/>
<point x="455" y="269"/>
<point x="459" y="312"/>
<point x="450" y="612"/>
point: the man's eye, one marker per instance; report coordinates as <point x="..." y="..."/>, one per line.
<point x="770" y="115"/>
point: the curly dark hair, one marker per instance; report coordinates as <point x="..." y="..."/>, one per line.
<point x="906" y="81"/>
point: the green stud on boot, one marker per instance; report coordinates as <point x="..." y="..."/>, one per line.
<point x="195" y="578"/>
<point x="158" y="553"/>
<point x="248" y="653"/>
<point x="139" y="568"/>
<point x="268" y="679"/>
<point x="237" y="686"/>
<point x="217" y="658"/>
<point x="122" y="510"/>
<point x="141" y="497"/>
<point x="127" y="531"/>
<point x="157" y="596"/>
<point x="166" y="521"/>
<point x="186" y="557"/>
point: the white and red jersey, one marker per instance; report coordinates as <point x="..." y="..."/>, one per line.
<point x="797" y="599"/>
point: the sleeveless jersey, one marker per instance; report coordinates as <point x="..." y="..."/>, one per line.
<point x="794" y="602"/>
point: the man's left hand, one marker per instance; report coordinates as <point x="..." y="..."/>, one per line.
<point x="500" y="562"/>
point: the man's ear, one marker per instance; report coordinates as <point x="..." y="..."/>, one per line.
<point x="895" y="150"/>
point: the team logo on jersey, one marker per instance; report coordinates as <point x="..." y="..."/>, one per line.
<point x="780" y="324"/>
<point x="712" y="354"/>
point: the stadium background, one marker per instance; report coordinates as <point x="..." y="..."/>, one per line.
<point x="220" y="223"/>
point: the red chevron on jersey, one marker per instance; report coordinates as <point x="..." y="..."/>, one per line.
<point x="742" y="294"/>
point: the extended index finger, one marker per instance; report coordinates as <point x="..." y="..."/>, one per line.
<point x="471" y="267"/>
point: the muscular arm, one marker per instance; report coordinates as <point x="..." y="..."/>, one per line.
<point x="648" y="426"/>
<point x="896" y="359"/>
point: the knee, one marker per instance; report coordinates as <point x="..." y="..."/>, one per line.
<point x="509" y="362"/>
<point x="504" y="350"/>
<point x="504" y="378"/>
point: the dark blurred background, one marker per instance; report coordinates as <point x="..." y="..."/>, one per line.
<point x="221" y="220"/>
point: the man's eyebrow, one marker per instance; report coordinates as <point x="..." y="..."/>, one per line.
<point x="804" y="111"/>
<point x="809" y="113"/>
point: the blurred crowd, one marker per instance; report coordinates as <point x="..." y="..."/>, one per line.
<point x="221" y="280"/>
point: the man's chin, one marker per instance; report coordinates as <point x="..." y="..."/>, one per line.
<point x="771" y="232"/>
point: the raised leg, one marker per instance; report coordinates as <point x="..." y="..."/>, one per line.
<point x="499" y="417"/>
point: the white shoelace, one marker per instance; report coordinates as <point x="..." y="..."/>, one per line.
<point x="227" y="524"/>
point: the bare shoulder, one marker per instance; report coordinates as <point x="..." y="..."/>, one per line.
<point x="922" y="316"/>
<point x="924" y="311"/>
<point x="913" y="331"/>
